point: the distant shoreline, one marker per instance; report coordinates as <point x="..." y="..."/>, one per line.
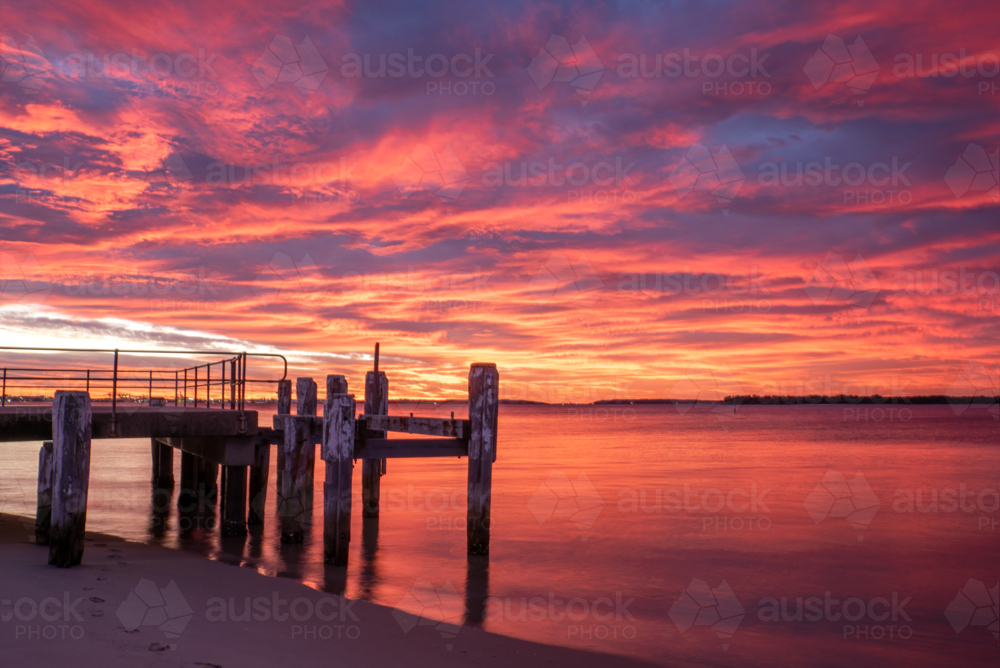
<point x="740" y="400"/>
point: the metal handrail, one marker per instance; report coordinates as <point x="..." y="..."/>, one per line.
<point x="237" y="381"/>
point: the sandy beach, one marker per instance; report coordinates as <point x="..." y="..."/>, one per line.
<point x="181" y="610"/>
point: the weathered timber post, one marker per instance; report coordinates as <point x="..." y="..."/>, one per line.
<point x="163" y="465"/>
<point x="234" y="503"/>
<point x="484" y="401"/>
<point x="208" y="481"/>
<point x="71" y="432"/>
<point x="43" y="516"/>
<point x="376" y="403"/>
<point x="258" y="482"/>
<point x="295" y="502"/>
<point x="305" y="404"/>
<point x="338" y="453"/>
<point x="187" y="499"/>
<point x="284" y="408"/>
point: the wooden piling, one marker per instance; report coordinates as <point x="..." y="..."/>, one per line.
<point x="376" y="403"/>
<point x="484" y="401"/>
<point x="163" y="465"/>
<point x="208" y="482"/>
<point x="43" y="515"/>
<point x="71" y="432"/>
<point x="284" y="397"/>
<point x="234" y="505"/>
<point x="284" y="408"/>
<point x="258" y="483"/>
<point x="296" y="477"/>
<point x="338" y="453"/>
<point x="187" y="499"/>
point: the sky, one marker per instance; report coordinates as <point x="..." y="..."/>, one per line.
<point x="608" y="200"/>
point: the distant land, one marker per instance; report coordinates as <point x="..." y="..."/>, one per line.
<point x="740" y="399"/>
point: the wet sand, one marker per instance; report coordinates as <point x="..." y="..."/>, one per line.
<point x="76" y="617"/>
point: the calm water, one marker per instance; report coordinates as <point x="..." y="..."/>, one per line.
<point x="666" y="535"/>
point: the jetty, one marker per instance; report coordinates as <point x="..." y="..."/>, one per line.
<point x="202" y="412"/>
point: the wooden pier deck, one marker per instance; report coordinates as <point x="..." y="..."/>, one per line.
<point x="231" y="439"/>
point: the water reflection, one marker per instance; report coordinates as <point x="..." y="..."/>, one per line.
<point x="477" y="589"/>
<point x="368" y="578"/>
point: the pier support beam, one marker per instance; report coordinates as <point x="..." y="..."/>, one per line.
<point x="72" y="422"/>
<point x="295" y="503"/>
<point x="484" y="402"/>
<point x="338" y="453"/>
<point x="43" y="515"/>
<point x="163" y="465"/>
<point x="234" y="502"/>
<point x="376" y="403"/>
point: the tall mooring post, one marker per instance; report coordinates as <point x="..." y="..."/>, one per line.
<point x="298" y="455"/>
<point x="376" y="403"/>
<point x="484" y="403"/>
<point x="72" y="422"/>
<point x="337" y="451"/>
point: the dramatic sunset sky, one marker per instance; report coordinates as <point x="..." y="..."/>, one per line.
<point x="272" y="187"/>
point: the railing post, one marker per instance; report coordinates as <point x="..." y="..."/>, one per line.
<point x="114" y="397"/>
<point x="222" y="385"/>
<point x="484" y="400"/>
<point x="208" y="385"/>
<point x="149" y="399"/>
<point x="3" y="396"/>
<point x="232" y="384"/>
<point x="185" y="388"/>
<point x="175" y="388"/>
<point x="88" y="381"/>
<point x="196" y="387"/>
